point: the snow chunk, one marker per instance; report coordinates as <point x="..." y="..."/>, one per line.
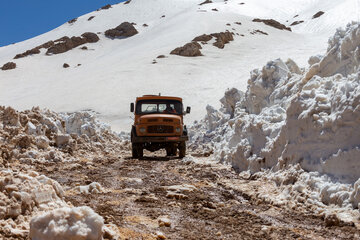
<point x="94" y="187"/>
<point x="67" y="223"/>
<point x="83" y="122"/>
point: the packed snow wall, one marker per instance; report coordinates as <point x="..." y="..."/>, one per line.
<point x="292" y="116"/>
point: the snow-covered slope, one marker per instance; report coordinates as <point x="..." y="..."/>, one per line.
<point x="114" y="72"/>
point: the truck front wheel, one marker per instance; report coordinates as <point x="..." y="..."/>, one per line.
<point x="171" y="150"/>
<point x="182" y="149"/>
<point x="137" y="150"/>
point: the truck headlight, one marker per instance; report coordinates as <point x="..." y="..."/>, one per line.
<point x="178" y="129"/>
<point x="142" y="129"/>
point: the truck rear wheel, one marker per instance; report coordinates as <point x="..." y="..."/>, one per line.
<point x="182" y="149"/>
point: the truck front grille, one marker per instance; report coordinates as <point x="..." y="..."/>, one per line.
<point x="160" y="129"/>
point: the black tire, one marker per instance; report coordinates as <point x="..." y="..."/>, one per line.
<point x="182" y="149"/>
<point x="134" y="150"/>
<point x="171" y="150"/>
<point x="140" y="151"/>
<point x="137" y="150"/>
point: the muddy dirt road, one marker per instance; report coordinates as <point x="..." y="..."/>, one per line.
<point x="158" y="198"/>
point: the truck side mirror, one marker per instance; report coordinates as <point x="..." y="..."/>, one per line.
<point x="188" y="109"/>
<point x="132" y="107"/>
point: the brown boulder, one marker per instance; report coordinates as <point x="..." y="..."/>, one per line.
<point x="65" y="65"/>
<point x="91" y="18"/>
<point x="222" y="38"/>
<point x="258" y="32"/>
<point x="188" y="50"/>
<point x="90" y="37"/>
<point x="127" y="2"/>
<point x="8" y="66"/>
<point x="77" y="41"/>
<point x="104" y="7"/>
<point x="72" y="21"/>
<point x="125" y="29"/>
<point x="63" y="44"/>
<point x="296" y="23"/>
<point x="318" y="14"/>
<point x="206" y="2"/>
<point x="272" y="23"/>
<point x="203" y="38"/>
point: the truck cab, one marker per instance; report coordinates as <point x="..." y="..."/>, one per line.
<point x="158" y="124"/>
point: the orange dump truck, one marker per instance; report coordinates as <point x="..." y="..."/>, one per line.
<point x="158" y="124"/>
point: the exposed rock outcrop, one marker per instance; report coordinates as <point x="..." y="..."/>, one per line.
<point x="8" y="66"/>
<point x="104" y="7"/>
<point x="318" y="14"/>
<point x="72" y="21"/>
<point x="203" y="38"/>
<point x="61" y="45"/>
<point x="125" y="29"/>
<point x="65" y="44"/>
<point x="206" y="2"/>
<point x="272" y="23"/>
<point x="35" y="50"/>
<point x="191" y="49"/>
<point x="90" y="37"/>
<point x="222" y="38"/>
<point x="258" y="32"/>
<point x="296" y="23"/>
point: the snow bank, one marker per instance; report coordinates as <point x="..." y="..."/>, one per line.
<point x="288" y="116"/>
<point x="67" y="223"/>
<point x="39" y="136"/>
<point x="44" y="135"/>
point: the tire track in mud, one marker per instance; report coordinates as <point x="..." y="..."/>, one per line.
<point x="183" y="199"/>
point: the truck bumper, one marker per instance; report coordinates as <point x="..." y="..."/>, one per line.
<point x="159" y="139"/>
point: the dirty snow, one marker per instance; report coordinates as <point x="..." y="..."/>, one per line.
<point x="67" y="223"/>
<point x="39" y="136"/>
<point x="23" y="194"/>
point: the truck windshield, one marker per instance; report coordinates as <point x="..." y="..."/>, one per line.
<point x="159" y="106"/>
